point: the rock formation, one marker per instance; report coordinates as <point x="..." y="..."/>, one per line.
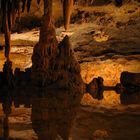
<point x="67" y="10"/>
<point x="9" y="10"/>
<point x="56" y="79"/>
<point x="130" y="93"/>
<point x="54" y="112"/>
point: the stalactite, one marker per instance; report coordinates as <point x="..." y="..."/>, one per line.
<point x="9" y="10"/>
<point x="23" y="5"/>
<point x="28" y="5"/>
<point x="67" y="10"/>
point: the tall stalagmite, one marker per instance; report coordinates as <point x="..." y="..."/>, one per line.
<point x="57" y="82"/>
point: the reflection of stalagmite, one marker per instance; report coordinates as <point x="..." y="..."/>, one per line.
<point x="55" y="110"/>
<point x="57" y="81"/>
<point x="55" y="104"/>
<point x="67" y="10"/>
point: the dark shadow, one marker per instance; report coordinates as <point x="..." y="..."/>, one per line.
<point x="101" y="2"/>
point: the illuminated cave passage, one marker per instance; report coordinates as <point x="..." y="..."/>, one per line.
<point x="79" y="84"/>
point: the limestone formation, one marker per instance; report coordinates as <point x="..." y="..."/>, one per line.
<point x="130" y="93"/>
<point x="95" y="88"/>
<point x="56" y="103"/>
<point x="128" y="78"/>
<point x="10" y="9"/>
<point x="67" y="11"/>
<point x="56" y="79"/>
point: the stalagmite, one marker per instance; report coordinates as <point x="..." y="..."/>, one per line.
<point x="128" y="78"/>
<point x="56" y="77"/>
<point x="130" y="93"/>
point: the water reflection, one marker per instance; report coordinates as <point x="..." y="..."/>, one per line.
<point x="51" y="115"/>
<point x="53" y="109"/>
<point x="54" y="113"/>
